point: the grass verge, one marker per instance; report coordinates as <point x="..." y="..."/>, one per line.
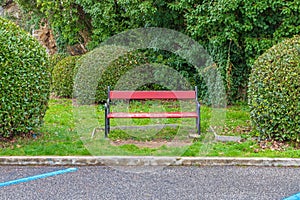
<point x="64" y="133"/>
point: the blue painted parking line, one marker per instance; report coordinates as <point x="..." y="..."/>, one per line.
<point x="294" y="197"/>
<point x="31" y="178"/>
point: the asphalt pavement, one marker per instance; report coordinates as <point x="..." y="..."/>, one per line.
<point x="177" y="182"/>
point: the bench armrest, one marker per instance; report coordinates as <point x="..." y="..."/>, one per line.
<point x="107" y="104"/>
<point x="198" y="104"/>
<point x="198" y="108"/>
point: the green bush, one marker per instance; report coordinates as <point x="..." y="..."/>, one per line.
<point x="90" y="67"/>
<point x="54" y="59"/>
<point x="110" y="66"/>
<point x="234" y="32"/>
<point x="274" y="92"/>
<point x="24" y="81"/>
<point x="115" y="70"/>
<point x="144" y="76"/>
<point x="63" y="77"/>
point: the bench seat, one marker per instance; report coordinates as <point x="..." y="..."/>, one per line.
<point x="153" y="115"/>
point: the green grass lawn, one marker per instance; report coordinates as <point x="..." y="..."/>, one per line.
<point x="67" y="131"/>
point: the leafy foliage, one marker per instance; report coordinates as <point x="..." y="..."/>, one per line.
<point x="54" y="59"/>
<point x="274" y="92"/>
<point x="101" y="68"/>
<point x="65" y="17"/>
<point x="63" y="77"/>
<point x="24" y="82"/>
<point x="141" y="69"/>
<point x="114" y="72"/>
<point x="90" y="68"/>
<point x="112" y="17"/>
<point x="234" y="32"/>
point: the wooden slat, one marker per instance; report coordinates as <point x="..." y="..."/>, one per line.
<point x="152" y="95"/>
<point x="153" y="115"/>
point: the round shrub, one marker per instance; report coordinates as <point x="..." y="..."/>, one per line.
<point x="107" y="65"/>
<point x="24" y="81"/>
<point x="54" y="59"/>
<point x="100" y="68"/>
<point x="63" y="77"/>
<point x="274" y="92"/>
<point x="116" y="70"/>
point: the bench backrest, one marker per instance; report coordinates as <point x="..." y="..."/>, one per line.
<point x="139" y="95"/>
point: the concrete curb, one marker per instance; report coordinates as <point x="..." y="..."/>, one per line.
<point x="146" y="161"/>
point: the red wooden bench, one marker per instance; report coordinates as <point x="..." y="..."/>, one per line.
<point x="155" y="95"/>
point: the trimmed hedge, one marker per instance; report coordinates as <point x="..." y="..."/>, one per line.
<point x="116" y="70"/>
<point x="24" y="81"/>
<point x="63" y="77"/>
<point x="100" y="68"/>
<point x="110" y="65"/>
<point x="54" y="59"/>
<point x="274" y="92"/>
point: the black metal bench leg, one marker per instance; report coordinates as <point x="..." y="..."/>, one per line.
<point x="198" y="126"/>
<point x="198" y="123"/>
<point x="106" y="125"/>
